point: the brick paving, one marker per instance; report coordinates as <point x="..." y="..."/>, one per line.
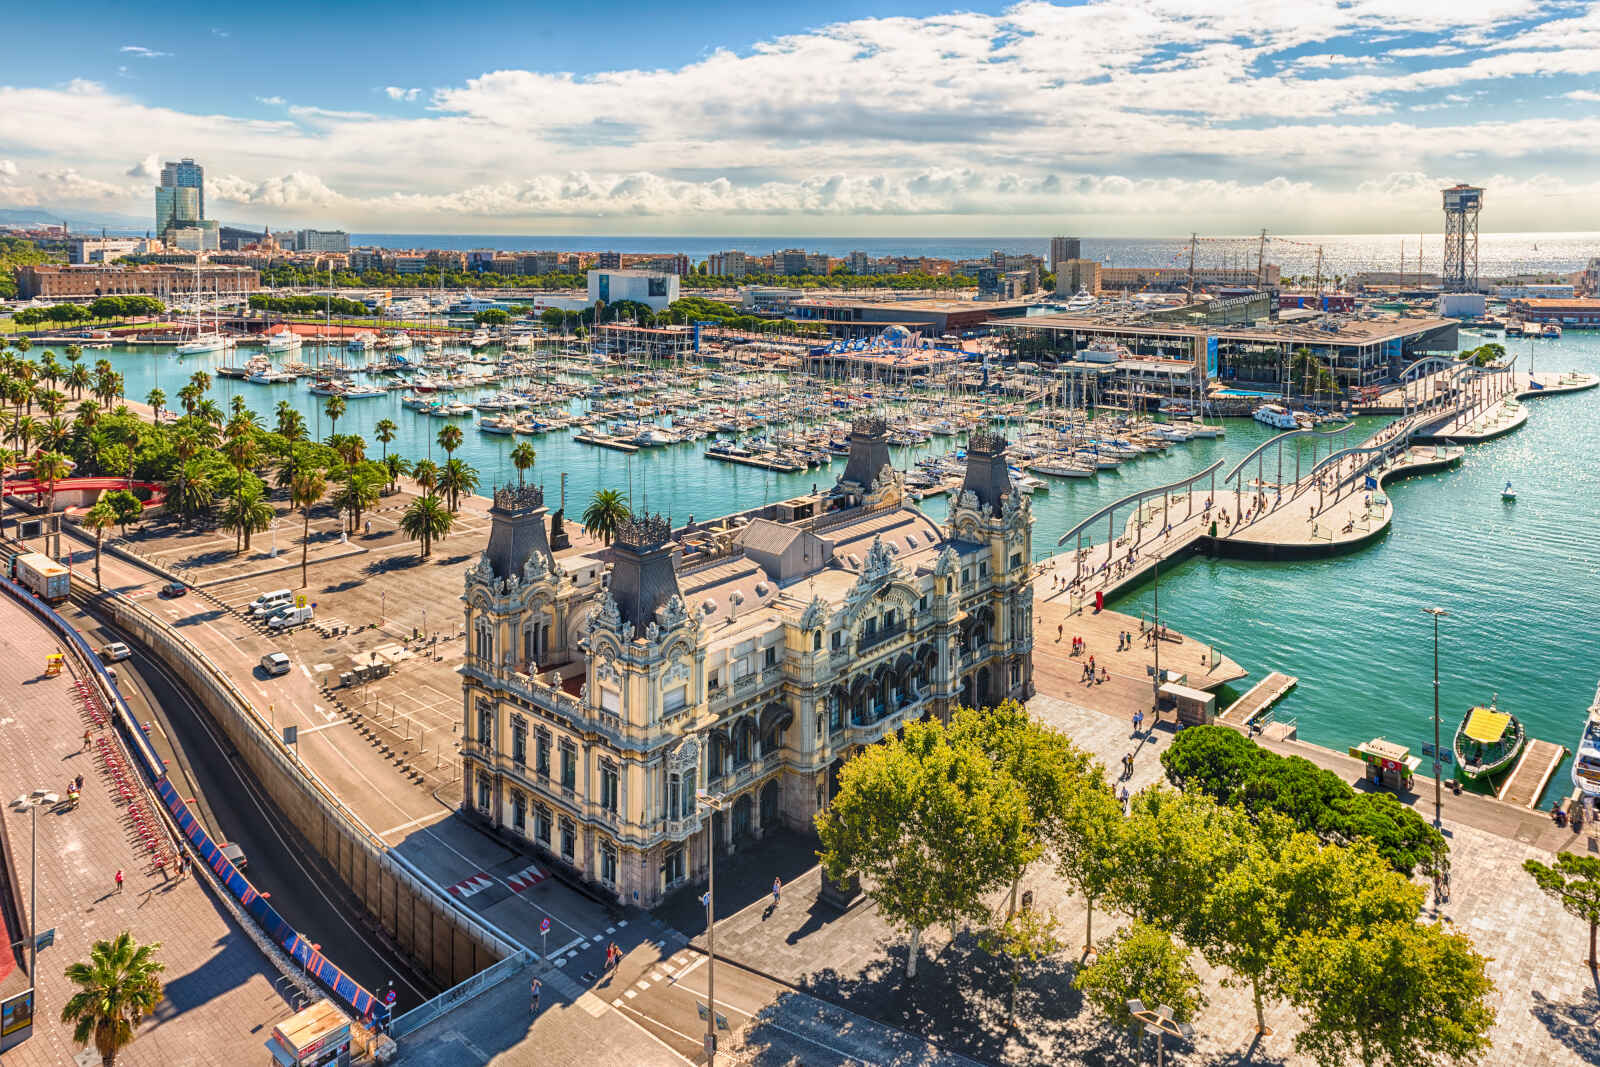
<point x="1549" y="1010"/>
<point x="221" y="1001"/>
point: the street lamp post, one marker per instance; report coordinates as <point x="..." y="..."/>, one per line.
<point x="716" y="802"/>
<point x="1162" y="1022"/>
<point x="1155" y="639"/>
<point x="1438" y="789"/>
<point x="38" y="797"/>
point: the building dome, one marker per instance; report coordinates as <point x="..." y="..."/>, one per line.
<point x="896" y="336"/>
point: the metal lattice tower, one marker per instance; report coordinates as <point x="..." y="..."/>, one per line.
<point x="1461" y="205"/>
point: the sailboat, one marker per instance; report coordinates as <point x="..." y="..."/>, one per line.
<point x="1508" y="493"/>
<point x="205" y="339"/>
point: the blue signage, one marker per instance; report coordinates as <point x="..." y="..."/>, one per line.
<point x="1211" y="357"/>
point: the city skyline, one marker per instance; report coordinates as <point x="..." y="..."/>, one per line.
<point x="1109" y="120"/>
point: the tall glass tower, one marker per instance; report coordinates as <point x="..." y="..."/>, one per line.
<point x="181" y="196"/>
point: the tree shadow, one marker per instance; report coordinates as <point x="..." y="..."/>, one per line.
<point x="349" y="583"/>
<point x="1575" y="1023"/>
<point x="200" y="617"/>
<point x="390" y="564"/>
<point x="451" y="561"/>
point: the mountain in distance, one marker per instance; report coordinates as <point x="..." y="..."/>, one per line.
<point x="33" y="217"/>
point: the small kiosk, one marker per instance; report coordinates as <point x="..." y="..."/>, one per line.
<point x="1388" y="765"/>
<point x="1195" y="707"/>
<point x="319" y="1036"/>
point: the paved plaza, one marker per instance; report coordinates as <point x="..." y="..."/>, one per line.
<point x="222" y="996"/>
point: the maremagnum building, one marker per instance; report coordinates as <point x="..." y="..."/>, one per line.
<point x="748" y="656"/>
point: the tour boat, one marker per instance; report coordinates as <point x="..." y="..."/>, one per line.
<point x="1487" y="741"/>
<point x="1550" y="331"/>
<point x="1586" y="764"/>
<point x="1508" y="493"/>
<point x="1277" y="416"/>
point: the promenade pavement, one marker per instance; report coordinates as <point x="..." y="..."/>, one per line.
<point x="222" y="996"/>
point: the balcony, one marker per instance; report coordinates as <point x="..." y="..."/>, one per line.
<point x="682" y="829"/>
<point x="878" y="637"/>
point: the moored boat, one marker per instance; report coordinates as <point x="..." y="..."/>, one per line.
<point x="1586" y="763"/>
<point x="1487" y="741"/>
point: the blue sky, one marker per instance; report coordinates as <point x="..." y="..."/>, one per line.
<point x="1111" y="117"/>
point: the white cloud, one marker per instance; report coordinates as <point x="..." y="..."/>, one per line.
<point x="1159" y="114"/>
<point x="148" y="167"/>
<point x="68" y="184"/>
<point x="8" y="169"/>
<point x="142" y="52"/>
<point x="1588" y="96"/>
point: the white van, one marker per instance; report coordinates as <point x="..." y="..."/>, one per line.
<point x="269" y="603"/>
<point x="290" y="617"/>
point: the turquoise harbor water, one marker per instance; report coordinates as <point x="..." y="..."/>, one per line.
<point x="1520" y="580"/>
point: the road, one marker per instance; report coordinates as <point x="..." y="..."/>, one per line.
<point x="205" y="768"/>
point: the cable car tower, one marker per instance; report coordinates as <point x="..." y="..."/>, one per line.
<point x="1461" y="206"/>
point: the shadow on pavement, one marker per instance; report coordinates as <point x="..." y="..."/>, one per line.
<point x="1575" y="1023"/>
<point x="742" y="879"/>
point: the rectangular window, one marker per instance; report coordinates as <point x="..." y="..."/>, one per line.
<point x="713" y="681"/>
<point x="922" y="602"/>
<point x="541" y="752"/>
<point x="1016" y="560"/>
<point x="608" y="865"/>
<point x="541" y="825"/>
<point x="672" y="869"/>
<point x="816" y="641"/>
<point x="838" y="639"/>
<point x="519" y="813"/>
<point x="674" y="796"/>
<point x="610" y="700"/>
<point x="486" y="728"/>
<point x="519" y="742"/>
<point x="569" y="840"/>
<point x="569" y="766"/>
<point x="771" y="657"/>
<point x="676" y="699"/>
<point x="609" y="791"/>
<point x="484" y="790"/>
<point x="485" y="644"/>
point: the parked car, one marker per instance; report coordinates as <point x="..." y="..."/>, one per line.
<point x="115" y="652"/>
<point x="275" y="663"/>
<point x="235" y="856"/>
<point x="290" y="617"/>
<point x="270" y="603"/>
<point x="173" y="589"/>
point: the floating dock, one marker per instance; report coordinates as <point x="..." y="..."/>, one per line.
<point x="614" y="443"/>
<point x="784" y="466"/>
<point x="1528" y="780"/>
<point x="1265" y="693"/>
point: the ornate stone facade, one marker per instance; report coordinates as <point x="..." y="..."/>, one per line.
<point x="748" y="658"/>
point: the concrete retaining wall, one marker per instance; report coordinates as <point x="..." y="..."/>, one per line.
<point x="447" y="943"/>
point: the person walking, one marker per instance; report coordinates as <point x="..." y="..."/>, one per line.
<point x="86" y="738"/>
<point x="119" y="879"/>
<point x="1138" y="721"/>
<point x="777" y="886"/>
<point x="534" y="989"/>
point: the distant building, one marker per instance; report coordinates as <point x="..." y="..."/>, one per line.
<point x="321" y="241"/>
<point x="1541" y="292"/>
<point x="407" y="263"/>
<point x="609" y="261"/>
<point x="791" y="261"/>
<point x="101" y="249"/>
<point x="236" y="238"/>
<point x="90" y="281"/>
<point x="1063" y="249"/>
<point x="1570" y="312"/>
<point x="538" y="263"/>
<point x="996" y="284"/>
<point x="480" y="259"/>
<point x="860" y="263"/>
<point x="1175" y="279"/>
<point x="201" y="236"/>
<point x="730" y="264"/>
<point x="365" y="259"/>
<point x="656" y="289"/>
<point x="817" y="263"/>
<point x="1075" y="276"/>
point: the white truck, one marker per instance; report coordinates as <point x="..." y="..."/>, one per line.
<point x="43" y="577"/>
<point x="290" y="617"/>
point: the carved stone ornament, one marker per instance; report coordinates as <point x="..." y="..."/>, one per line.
<point x="880" y="561"/>
<point x="678" y="672"/>
<point x="816" y="614"/>
<point x="652" y="633"/>
<point x="967" y="501"/>
<point x="626" y="632"/>
<point x="583" y="693"/>
<point x="484" y="571"/>
<point x="672" y="614"/>
<point x="606" y="671"/>
<point x="610" y="614"/>
<point x="945" y="565"/>
<point x="1012" y="505"/>
<point x="685" y="755"/>
<point x="534" y="570"/>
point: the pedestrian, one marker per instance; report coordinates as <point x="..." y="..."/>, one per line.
<point x="777" y="885"/>
<point x="534" y="990"/>
<point x="1122" y="796"/>
<point x="1060" y="629"/>
<point x="77" y="783"/>
<point x="1138" y="721"/>
<point x="369" y="527"/>
<point x="119" y="879"/>
<point x="85" y="740"/>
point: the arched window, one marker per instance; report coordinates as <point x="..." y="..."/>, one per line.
<point x="485" y="643"/>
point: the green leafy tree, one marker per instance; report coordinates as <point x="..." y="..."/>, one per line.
<point x="127" y="507"/>
<point x="50" y="468"/>
<point x="397" y="466"/>
<point x="117" y="989"/>
<point x="425" y="521"/>
<point x="1021" y="934"/>
<point x="1397" y="994"/>
<point x="1574" y="882"/>
<point x="449" y="438"/>
<point x="522" y="457"/>
<point x="306" y="487"/>
<point x="157" y="399"/>
<point x="291" y="424"/>
<point x="929" y="827"/>
<point x="334" y="407"/>
<point x="99" y="518"/>
<point x="245" y="513"/>
<point x="385" y="431"/>
<point x="358" y="491"/>
<point x="606" y="513"/>
<point x="426" y="474"/>
<point x="191" y="490"/>
<point x="1088" y="846"/>
<point x="1142" y="962"/>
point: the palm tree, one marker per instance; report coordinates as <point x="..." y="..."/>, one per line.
<point x="424" y="472"/>
<point x="246" y="513"/>
<point x="605" y="513"/>
<point x="50" y="468"/>
<point x="305" y="489"/>
<point x="54" y="433"/>
<point x="201" y="381"/>
<point x="23" y="430"/>
<point x="449" y="438"/>
<point x="397" y="465"/>
<point x="426" y="520"/>
<point x="117" y="988"/>
<point x="385" y="431"/>
<point x="156" y="399"/>
<point x="74" y="353"/>
<point x="358" y="492"/>
<point x="189" y="490"/>
<point x="457" y="479"/>
<point x="522" y="458"/>
<point x="53" y="402"/>
<point x="99" y="518"/>
<point x="291" y="423"/>
<point x="334" y="407"/>
<point x="351" y="448"/>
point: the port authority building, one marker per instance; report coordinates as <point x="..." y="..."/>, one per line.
<point x="748" y="656"/>
<point x="1223" y="341"/>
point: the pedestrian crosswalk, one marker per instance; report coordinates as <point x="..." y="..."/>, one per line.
<point x="663" y="972"/>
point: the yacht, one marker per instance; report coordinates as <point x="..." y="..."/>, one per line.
<point x="1586" y="764"/>
<point x="1550" y="332"/>
<point x="283" y="342"/>
<point x="208" y="341"/>
<point x="361" y="342"/>
<point x="1081" y="302"/>
<point x="1276" y="415"/>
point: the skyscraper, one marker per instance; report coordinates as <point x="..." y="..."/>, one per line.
<point x="1063" y="249"/>
<point x="181" y="196"/>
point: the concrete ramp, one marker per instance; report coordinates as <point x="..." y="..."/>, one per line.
<point x="1259" y="699"/>
<point x="1528" y="779"/>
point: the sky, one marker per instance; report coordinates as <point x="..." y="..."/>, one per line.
<point x="1105" y="118"/>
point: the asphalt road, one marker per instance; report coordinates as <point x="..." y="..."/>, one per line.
<point x="281" y="864"/>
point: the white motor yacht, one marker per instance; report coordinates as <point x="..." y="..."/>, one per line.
<point x="283" y="342"/>
<point x="202" y="343"/>
<point x="1277" y="416"/>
